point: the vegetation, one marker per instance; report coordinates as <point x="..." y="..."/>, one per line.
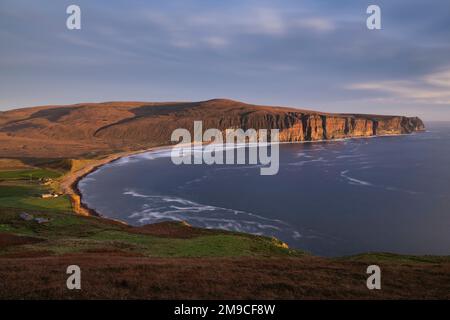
<point x="69" y="233"/>
<point x="29" y="174"/>
<point x="24" y="189"/>
<point x="397" y="258"/>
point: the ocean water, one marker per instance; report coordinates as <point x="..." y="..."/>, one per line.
<point x="384" y="194"/>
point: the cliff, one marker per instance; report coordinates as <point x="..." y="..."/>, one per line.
<point x="90" y="129"/>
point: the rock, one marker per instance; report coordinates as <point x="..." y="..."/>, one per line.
<point x="49" y="195"/>
<point x="25" y="216"/>
<point x="41" y="220"/>
<point x="280" y="244"/>
<point x="28" y="217"/>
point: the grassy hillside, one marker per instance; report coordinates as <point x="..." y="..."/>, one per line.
<point x="67" y="233"/>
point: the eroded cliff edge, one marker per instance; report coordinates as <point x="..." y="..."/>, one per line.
<point x="104" y="128"/>
<point x="306" y="127"/>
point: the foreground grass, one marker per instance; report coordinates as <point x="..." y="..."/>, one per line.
<point x="67" y="233"/>
<point x="121" y="262"/>
<point x="396" y="258"/>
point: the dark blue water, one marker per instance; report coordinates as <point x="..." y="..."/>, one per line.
<point x="388" y="194"/>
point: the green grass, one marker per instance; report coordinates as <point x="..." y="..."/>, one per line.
<point x="69" y="233"/>
<point x="7" y="228"/>
<point x="34" y="203"/>
<point x="61" y="224"/>
<point x="18" y="191"/>
<point x="29" y="174"/>
<point x="220" y="245"/>
<point x="7" y="191"/>
<point x="11" y="223"/>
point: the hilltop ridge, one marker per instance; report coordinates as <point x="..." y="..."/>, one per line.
<point x="91" y="128"/>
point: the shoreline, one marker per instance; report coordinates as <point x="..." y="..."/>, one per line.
<point x="69" y="185"/>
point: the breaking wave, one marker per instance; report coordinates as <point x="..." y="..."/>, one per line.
<point x="158" y="208"/>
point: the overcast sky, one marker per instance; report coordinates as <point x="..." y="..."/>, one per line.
<point x="315" y="54"/>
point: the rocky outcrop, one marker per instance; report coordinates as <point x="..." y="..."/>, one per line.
<point x="327" y="127"/>
<point x="308" y="126"/>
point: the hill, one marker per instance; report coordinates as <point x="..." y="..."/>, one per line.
<point x="94" y="128"/>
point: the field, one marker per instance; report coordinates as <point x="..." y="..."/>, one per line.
<point x="23" y="188"/>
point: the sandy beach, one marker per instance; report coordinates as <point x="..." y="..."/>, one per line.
<point x="69" y="182"/>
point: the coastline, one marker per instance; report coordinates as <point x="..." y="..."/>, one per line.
<point x="69" y="184"/>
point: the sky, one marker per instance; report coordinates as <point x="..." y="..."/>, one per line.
<point x="313" y="54"/>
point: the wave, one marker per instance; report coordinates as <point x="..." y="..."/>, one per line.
<point x="354" y="180"/>
<point x="349" y="156"/>
<point x="160" y="208"/>
<point x="302" y="163"/>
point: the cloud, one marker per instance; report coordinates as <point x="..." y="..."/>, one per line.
<point x="218" y="29"/>
<point x="263" y="21"/>
<point x="441" y="79"/>
<point x="433" y="88"/>
<point x="182" y="44"/>
<point x="316" y="24"/>
<point x="216" y="42"/>
<point x="266" y="21"/>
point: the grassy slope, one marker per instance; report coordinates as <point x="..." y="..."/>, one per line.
<point x="68" y="233"/>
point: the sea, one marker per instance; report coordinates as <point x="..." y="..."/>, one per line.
<point x="331" y="198"/>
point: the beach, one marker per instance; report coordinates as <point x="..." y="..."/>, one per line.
<point x="69" y="183"/>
